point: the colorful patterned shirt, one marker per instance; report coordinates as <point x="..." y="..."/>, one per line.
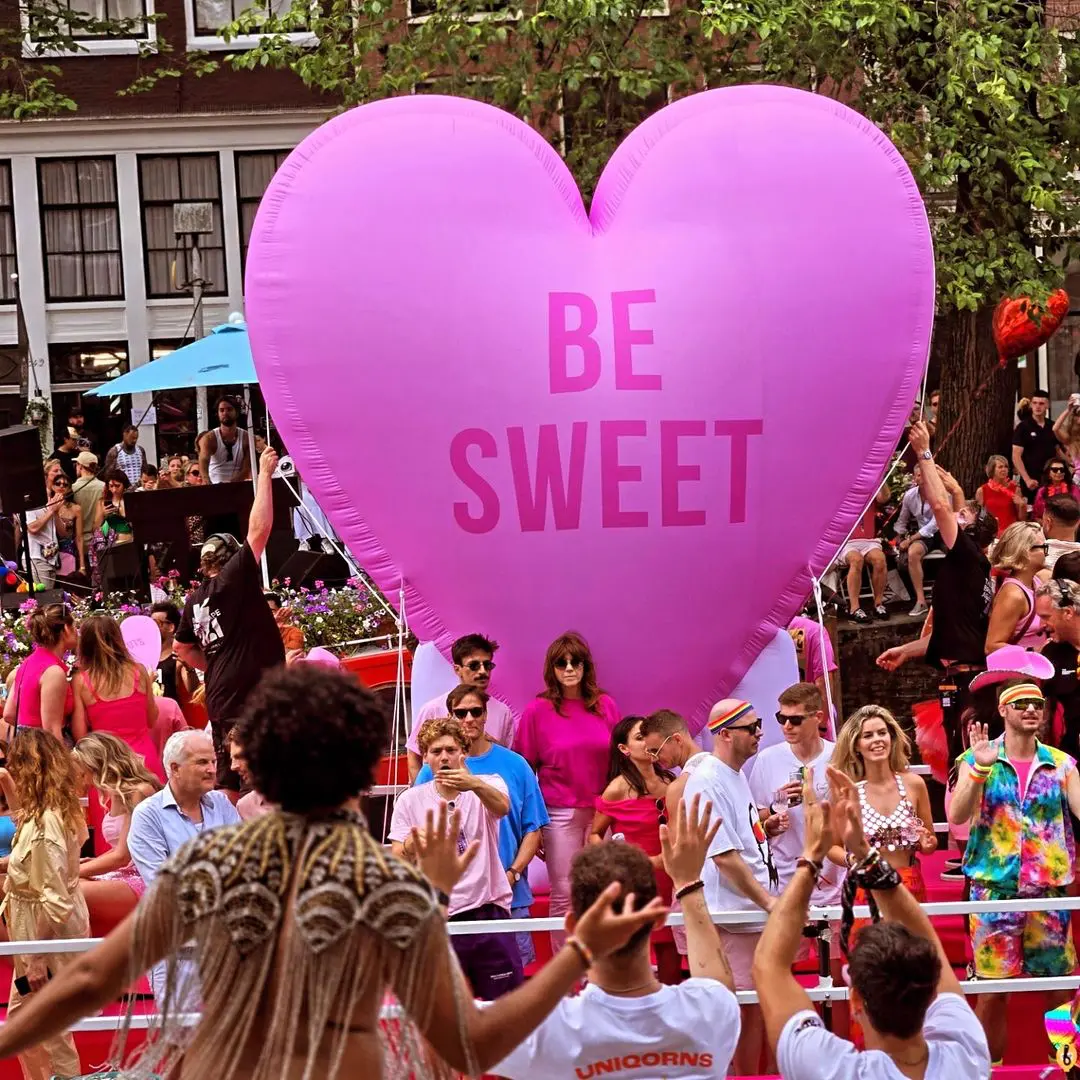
<point x="1022" y="846"/>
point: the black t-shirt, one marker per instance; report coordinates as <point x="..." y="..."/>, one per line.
<point x="167" y="670"/>
<point x="67" y="461"/>
<point x="962" y="598"/>
<point x="1064" y="689"/>
<point x="229" y="619"/>
<point x="1038" y="445"/>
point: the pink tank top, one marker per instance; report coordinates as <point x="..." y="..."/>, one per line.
<point x="27" y="688"/>
<point x="123" y="717"/>
<point x="1031" y="625"/>
<point x="111" y="828"/>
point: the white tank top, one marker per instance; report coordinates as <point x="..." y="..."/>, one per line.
<point x="227" y="462"/>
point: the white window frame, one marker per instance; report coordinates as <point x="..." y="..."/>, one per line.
<point x="94" y="47"/>
<point x="512" y="15"/>
<point x="216" y="43"/>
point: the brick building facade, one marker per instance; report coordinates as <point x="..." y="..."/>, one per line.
<point x="86" y="213"/>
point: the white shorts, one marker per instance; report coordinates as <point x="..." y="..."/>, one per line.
<point x="860" y="547"/>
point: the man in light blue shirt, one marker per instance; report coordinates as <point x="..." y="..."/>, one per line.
<point x="186" y="806"/>
<point x="519" y="831"/>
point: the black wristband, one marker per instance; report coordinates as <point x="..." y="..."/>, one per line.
<point x="686" y="890"/>
<point x="443" y="898"/>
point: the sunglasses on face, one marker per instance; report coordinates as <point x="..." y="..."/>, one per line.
<point x="568" y="663"/>
<point x="480" y="665"/>
<point x="475" y="711"/>
<point x="754" y="728"/>
<point x="1023" y="706"/>
<point x="1057" y="472"/>
<point x="1044" y="548"/>
<point x="794" y="721"/>
<point x="656" y="753"/>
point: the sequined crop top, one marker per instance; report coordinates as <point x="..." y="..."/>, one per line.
<point x="898" y="831"/>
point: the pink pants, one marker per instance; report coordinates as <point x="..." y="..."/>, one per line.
<point x="563" y="838"/>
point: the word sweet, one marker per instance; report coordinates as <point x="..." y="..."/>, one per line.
<point x="552" y="472"/>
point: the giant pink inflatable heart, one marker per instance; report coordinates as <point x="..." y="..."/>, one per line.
<point x="646" y="423"/>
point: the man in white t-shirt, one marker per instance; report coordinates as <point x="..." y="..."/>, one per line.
<point x="911" y="1007"/>
<point x="739" y="874"/>
<point x="474" y="660"/>
<point x="776" y="784"/>
<point x="626" y="1021"/>
<point x="491" y="962"/>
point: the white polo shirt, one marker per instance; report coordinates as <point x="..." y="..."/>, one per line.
<point x="684" y="1032"/>
<point x="957" y="1043"/>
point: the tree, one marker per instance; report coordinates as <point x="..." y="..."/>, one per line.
<point x="36" y="33"/>
<point x="982" y="97"/>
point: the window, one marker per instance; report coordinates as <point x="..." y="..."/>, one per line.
<point x="254" y="171"/>
<point x="85" y="363"/>
<point x="207" y="19"/>
<point x="7" y="235"/>
<point x="164" y="182"/>
<point x="81" y="229"/>
<point x="480" y="9"/>
<point x="76" y="27"/>
<point x="85" y="14"/>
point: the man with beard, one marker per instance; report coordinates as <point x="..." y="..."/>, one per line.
<point x="1056" y="605"/>
<point x="223" y="451"/>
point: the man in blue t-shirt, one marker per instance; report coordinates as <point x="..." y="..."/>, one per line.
<point x="519" y="831"/>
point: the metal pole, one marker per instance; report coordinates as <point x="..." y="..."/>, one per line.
<point x="198" y="326"/>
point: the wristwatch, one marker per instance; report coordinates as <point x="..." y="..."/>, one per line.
<point x="515" y="874"/>
<point x="926" y="455"/>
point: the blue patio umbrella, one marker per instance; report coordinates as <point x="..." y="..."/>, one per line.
<point x="222" y="358"/>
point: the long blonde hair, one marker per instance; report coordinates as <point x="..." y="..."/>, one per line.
<point x="847" y="758"/>
<point x="114" y="767"/>
<point x="44" y="777"/>
<point x="103" y="656"/>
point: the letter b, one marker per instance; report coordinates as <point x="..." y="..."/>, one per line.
<point x="561" y="338"/>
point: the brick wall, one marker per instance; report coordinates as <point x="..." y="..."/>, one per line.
<point x="93" y="80"/>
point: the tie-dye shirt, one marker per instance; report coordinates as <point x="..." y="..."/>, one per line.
<point x="1025" y="845"/>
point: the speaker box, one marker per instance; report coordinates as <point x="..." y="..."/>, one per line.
<point x="304" y="567"/>
<point x="11" y="601"/>
<point x="22" y="478"/>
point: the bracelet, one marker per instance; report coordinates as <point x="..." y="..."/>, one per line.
<point x="873" y="856"/>
<point x="982" y="771"/>
<point x="443" y="898"/>
<point x="814" y="867"/>
<point x="980" y="778"/>
<point x="686" y="890"/>
<point x="583" y="950"/>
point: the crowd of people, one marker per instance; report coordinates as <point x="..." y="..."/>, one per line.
<point x="631" y="815"/>
<point x="85" y="513"/>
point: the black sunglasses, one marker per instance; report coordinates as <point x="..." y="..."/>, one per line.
<point x="1044" y="548"/>
<point x="481" y="665"/>
<point x="794" y="721"/>
<point x="754" y="727"/>
<point x="661" y="811"/>
<point x="475" y="711"/>
<point x="568" y="663"/>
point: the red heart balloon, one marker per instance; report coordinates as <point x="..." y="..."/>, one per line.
<point x="1021" y="325"/>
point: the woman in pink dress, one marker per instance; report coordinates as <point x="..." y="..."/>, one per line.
<point x="633" y="807"/>
<point x="564" y="735"/>
<point x="110" y="881"/>
<point x="113" y="694"/>
<point x="40" y="695"/>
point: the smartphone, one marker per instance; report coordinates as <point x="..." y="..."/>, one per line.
<point x="22" y="983"/>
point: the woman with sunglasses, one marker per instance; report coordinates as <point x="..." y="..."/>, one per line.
<point x="1057" y="479"/>
<point x="70" y="543"/>
<point x="633" y="807"/>
<point x="564" y="734"/>
<point x="1018" y="557"/>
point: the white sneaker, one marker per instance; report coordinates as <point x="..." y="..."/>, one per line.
<point x="919" y="609"/>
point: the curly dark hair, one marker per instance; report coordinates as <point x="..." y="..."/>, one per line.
<point x="312" y="737"/>
<point x="595" y="867"/>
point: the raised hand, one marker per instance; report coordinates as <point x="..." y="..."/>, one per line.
<point x="919" y="437"/>
<point x="985" y="751"/>
<point x="436" y="848"/>
<point x="685" y="842"/>
<point x="847" y="817"/>
<point x="602" y="931"/>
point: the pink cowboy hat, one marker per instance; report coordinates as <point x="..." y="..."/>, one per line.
<point x="1012" y="662"/>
